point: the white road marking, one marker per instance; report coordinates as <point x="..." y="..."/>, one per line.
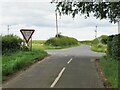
<point x="58" y="77"/>
<point x="69" y="61"/>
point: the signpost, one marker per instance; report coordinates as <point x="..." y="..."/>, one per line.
<point x="27" y="35"/>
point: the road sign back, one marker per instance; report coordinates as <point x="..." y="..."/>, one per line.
<point x="27" y="33"/>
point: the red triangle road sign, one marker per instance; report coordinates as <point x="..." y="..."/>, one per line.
<point x="27" y="34"/>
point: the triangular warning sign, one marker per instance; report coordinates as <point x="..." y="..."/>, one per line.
<point x="27" y="33"/>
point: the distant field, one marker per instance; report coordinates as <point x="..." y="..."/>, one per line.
<point x="88" y="42"/>
<point x="38" y="41"/>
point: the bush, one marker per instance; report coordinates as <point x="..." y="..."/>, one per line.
<point x="99" y="47"/>
<point x="104" y="39"/>
<point x="61" y="41"/>
<point x="10" y="43"/>
<point x="95" y="41"/>
<point x="109" y="45"/>
<point x="114" y="46"/>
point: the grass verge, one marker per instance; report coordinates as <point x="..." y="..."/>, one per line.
<point x="12" y="62"/>
<point x="99" y="48"/>
<point x="110" y="69"/>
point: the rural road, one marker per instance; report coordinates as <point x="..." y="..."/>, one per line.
<point x="66" y="68"/>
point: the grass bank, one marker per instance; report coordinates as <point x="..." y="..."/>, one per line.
<point x="99" y="48"/>
<point x="12" y="62"/>
<point x="40" y="44"/>
<point x="110" y="68"/>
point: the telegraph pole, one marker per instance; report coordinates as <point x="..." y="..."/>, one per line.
<point x="96" y="32"/>
<point x="119" y="26"/>
<point x="56" y="23"/>
<point x="8" y="28"/>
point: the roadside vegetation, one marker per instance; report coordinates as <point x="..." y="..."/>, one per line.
<point x="88" y="42"/>
<point x="16" y="56"/>
<point x="110" y="69"/>
<point x="109" y="63"/>
<point x="62" y="41"/>
<point x="59" y="42"/>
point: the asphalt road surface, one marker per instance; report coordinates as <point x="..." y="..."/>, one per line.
<point x="66" y="68"/>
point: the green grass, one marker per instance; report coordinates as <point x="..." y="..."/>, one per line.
<point x="39" y="44"/>
<point x="110" y="68"/>
<point x="99" y="48"/>
<point x="61" y="41"/>
<point x="95" y="46"/>
<point x="12" y="62"/>
<point x="38" y="41"/>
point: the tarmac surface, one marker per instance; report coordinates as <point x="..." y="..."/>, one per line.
<point x="65" y="68"/>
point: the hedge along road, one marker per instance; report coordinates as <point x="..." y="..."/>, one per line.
<point x="66" y="68"/>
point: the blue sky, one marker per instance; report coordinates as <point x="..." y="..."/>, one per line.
<point x="40" y="16"/>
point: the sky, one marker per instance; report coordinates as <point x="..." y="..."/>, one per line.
<point x="40" y="16"/>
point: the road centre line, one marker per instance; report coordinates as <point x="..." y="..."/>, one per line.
<point x="58" y="77"/>
<point x="69" y="61"/>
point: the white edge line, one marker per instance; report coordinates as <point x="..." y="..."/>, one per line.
<point x="69" y="61"/>
<point x="58" y="77"/>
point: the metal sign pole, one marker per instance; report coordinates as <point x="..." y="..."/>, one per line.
<point x="119" y="27"/>
<point x="56" y="24"/>
<point x="31" y="44"/>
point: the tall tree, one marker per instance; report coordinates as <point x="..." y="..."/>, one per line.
<point x="102" y="10"/>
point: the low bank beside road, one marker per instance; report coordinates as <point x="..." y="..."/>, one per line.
<point x="12" y="62"/>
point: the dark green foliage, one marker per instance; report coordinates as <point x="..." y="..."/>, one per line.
<point x="109" y="45"/>
<point x="24" y="48"/>
<point x="104" y="39"/>
<point x="99" y="9"/>
<point x="10" y="43"/>
<point x="61" y="41"/>
<point x="114" y="46"/>
<point x="58" y="35"/>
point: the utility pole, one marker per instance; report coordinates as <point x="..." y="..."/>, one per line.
<point x="118" y="26"/>
<point x="118" y="20"/>
<point x="56" y="23"/>
<point x="96" y="32"/>
<point x="8" y="28"/>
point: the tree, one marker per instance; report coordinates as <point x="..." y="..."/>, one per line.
<point x="102" y="10"/>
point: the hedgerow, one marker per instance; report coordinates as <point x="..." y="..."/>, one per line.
<point x="11" y="43"/>
<point x="114" y="46"/>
